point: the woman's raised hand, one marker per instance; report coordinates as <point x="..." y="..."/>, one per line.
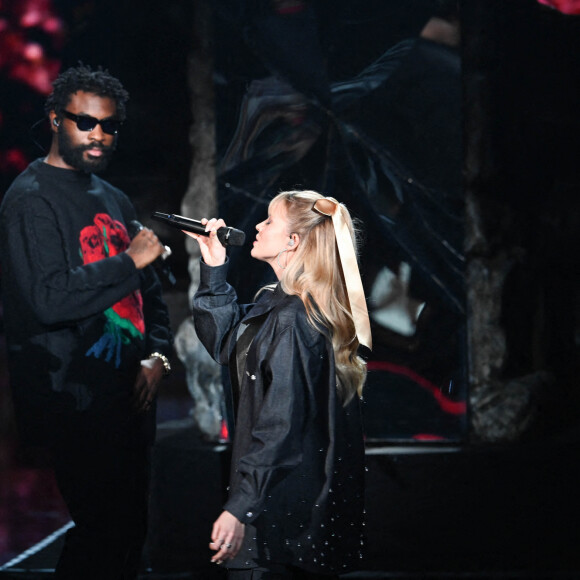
<point x="212" y="251"/>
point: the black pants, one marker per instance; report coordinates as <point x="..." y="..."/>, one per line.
<point x="276" y="572"/>
<point x="106" y="488"/>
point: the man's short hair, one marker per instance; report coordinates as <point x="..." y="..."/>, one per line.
<point x="83" y="78"/>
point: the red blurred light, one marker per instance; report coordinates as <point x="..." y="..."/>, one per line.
<point x="224" y="433"/>
<point x="33" y="51"/>
<point x="23" y="59"/>
<point x="13" y="160"/>
<point x="571" y="7"/>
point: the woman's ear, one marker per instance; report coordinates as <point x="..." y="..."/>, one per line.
<point x="294" y="241"/>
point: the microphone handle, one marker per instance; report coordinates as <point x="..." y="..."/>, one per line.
<point x="134" y="228"/>
<point x="181" y="222"/>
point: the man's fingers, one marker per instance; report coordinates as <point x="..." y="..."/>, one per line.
<point x="143" y="396"/>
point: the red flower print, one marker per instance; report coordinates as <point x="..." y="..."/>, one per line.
<point x="107" y="238"/>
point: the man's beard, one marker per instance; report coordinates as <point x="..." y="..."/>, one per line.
<point x="73" y="155"/>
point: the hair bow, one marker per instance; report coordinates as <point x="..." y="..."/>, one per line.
<point x="330" y="207"/>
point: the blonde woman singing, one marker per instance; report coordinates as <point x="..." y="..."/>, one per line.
<point x="295" y="506"/>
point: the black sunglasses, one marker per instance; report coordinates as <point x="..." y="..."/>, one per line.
<point x="86" y="123"/>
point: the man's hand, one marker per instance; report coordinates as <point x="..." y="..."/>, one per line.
<point x="146" y="384"/>
<point x="144" y="248"/>
<point x="227" y="536"/>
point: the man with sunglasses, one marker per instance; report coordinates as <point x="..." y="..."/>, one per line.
<point x="87" y="330"/>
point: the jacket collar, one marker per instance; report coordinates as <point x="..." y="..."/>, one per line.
<point x="267" y="301"/>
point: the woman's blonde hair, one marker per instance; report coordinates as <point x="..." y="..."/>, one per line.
<point x="315" y="275"/>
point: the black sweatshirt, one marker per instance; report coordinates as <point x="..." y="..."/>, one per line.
<point x="79" y="316"/>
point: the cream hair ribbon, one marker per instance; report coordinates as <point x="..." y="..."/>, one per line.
<point x="330" y="207"/>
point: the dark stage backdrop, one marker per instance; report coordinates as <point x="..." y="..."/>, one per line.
<point x="353" y="101"/>
<point x="357" y="100"/>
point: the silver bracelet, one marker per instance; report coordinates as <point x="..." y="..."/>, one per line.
<point x="164" y="360"/>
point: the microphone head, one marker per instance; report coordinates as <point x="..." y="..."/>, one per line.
<point x="231" y="237"/>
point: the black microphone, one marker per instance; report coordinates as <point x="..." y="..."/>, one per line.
<point x="134" y="228"/>
<point x="226" y="235"/>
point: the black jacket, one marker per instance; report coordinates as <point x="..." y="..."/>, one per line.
<point x="78" y="314"/>
<point x="298" y="455"/>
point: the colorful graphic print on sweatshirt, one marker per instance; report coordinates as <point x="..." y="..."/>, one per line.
<point x="124" y="320"/>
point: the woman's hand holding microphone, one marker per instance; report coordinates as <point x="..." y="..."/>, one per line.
<point x="212" y="250"/>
